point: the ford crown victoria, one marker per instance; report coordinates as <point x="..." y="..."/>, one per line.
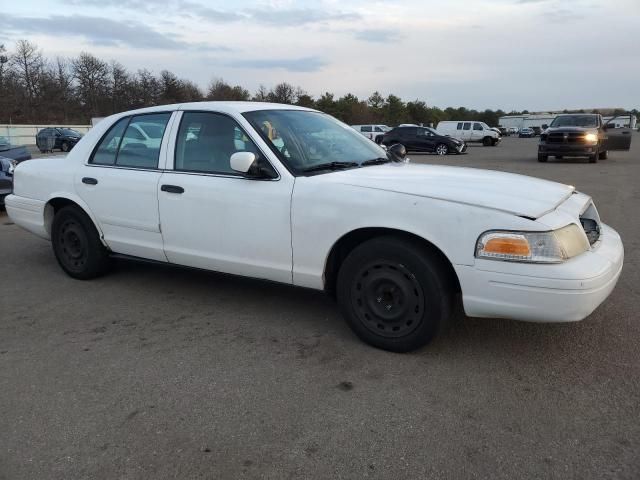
<point x="292" y="195"/>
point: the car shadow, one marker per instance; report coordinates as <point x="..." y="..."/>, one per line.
<point x="316" y="314"/>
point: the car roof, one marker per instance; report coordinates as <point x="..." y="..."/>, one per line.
<point x="224" y="107"/>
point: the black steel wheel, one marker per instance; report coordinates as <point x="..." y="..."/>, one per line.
<point x="394" y="293"/>
<point x="77" y="245"/>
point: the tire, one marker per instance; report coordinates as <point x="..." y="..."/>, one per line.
<point x="594" y="158"/>
<point x="486" y="141"/>
<point x="77" y="246"/>
<point x="603" y="155"/>
<point x="558" y="157"/>
<point x="441" y="149"/>
<point x="494" y="142"/>
<point x="378" y="139"/>
<point x="64" y="147"/>
<point x="542" y="158"/>
<point x="393" y="294"/>
<point x="42" y="151"/>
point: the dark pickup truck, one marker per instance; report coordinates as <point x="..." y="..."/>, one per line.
<point x="582" y="135"/>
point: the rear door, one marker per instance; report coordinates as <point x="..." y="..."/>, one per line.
<point x="617" y="136"/>
<point x="119" y="183"/>
<point x="366" y="130"/>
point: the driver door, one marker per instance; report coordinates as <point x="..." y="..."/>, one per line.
<point x="617" y="138"/>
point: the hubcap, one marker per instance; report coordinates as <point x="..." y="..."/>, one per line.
<point x="72" y="245"/>
<point x="441" y="150"/>
<point x="388" y="299"/>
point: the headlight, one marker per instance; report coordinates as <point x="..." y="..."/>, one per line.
<point x="591" y="138"/>
<point x="535" y="247"/>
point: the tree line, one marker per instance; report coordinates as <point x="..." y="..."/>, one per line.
<point x="36" y="89"/>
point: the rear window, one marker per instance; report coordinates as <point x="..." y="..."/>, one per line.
<point x="366" y="128"/>
<point x="124" y="145"/>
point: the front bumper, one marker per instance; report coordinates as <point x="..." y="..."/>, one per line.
<point x="565" y="292"/>
<point x="568" y="150"/>
<point x="461" y="148"/>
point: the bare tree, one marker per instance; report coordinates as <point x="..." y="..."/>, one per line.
<point x="146" y="88"/>
<point x="283" y="93"/>
<point x="92" y="77"/>
<point x="262" y="94"/>
<point x="28" y="63"/>
<point x="221" y="90"/>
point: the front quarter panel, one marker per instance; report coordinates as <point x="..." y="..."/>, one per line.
<point x="323" y="211"/>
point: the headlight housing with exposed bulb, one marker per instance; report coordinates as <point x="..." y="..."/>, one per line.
<point x="591" y="138"/>
<point x="533" y="247"/>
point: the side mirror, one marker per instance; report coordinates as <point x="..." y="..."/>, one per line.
<point x="398" y="151"/>
<point x="253" y="167"/>
<point x="242" y="161"/>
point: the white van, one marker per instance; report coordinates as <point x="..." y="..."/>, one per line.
<point x="469" y="131"/>
<point x="372" y="132"/>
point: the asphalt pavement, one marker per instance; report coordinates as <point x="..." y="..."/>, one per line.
<point x="161" y="372"/>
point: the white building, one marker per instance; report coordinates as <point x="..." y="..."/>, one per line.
<point x="542" y="119"/>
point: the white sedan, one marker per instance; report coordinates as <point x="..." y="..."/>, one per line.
<point x="292" y="195"/>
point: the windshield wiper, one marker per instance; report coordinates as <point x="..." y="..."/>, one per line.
<point x="331" y="166"/>
<point x="375" y="161"/>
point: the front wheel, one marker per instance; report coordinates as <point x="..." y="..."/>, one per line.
<point x="64" y="147"/>
<point x="77" y="245"/>
<point x="442" y="149"/>
<point x="487" y="141"/>
<point x="393" y="294"/>
<point x="603" y="155"/>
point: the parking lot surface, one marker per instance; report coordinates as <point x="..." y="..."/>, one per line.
<point x="162" y="372"/>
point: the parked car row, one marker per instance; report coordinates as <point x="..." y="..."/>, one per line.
<point x="13" y="152"/>
<point x="7" y="166"/>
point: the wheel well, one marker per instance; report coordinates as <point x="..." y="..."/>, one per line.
<point x="52" y="207"/>
<point x="351" y="240"/>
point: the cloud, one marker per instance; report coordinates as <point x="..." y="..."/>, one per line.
<point x="304" y="64"/>
<point x="99" y="31"/>
<point x="297" y="17"/>
<point x="188" y="8"/>
<point x="562" y="15"/>
<point x="378" y="35"/>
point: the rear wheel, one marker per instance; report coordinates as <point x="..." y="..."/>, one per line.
<point x="542" y="157"/>
<point x="442" y="149"/>
<point x="77" y="245"/>
<point x="487" y="141"/>
<point x="393" y="294"/>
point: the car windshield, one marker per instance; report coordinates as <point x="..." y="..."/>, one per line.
<point x="575" y="121"/>
<point x="307" y="141"/>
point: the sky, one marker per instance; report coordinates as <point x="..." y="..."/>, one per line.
<point x="510" y="54"/>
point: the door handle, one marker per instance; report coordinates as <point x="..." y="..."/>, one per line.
<point x="172" y="189"/>
<point x="89" y="181"/>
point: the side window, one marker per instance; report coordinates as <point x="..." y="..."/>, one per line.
<point x="467" y="126"/>
<point x="459" y="126"/>
<point x="107" y="149"/>
<point x="206" y="142"/>
<point x="140" y="146"/>
<point x="366" y="128"/>
<point x="477" y="126"/>
<point x="378" y="129"/>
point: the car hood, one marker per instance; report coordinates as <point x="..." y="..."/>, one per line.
<point x="517" y="194"/>
<point x="570" y="129"/>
